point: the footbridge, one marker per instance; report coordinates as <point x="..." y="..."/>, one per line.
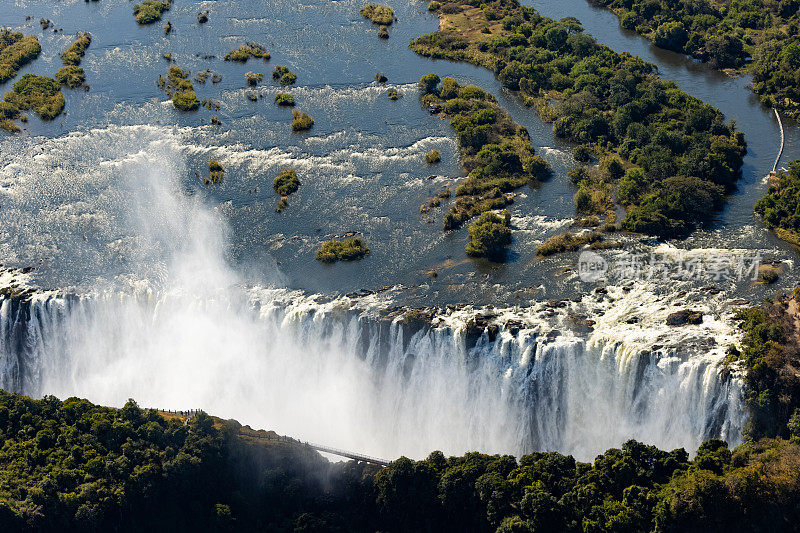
<point x="188" y="415"/>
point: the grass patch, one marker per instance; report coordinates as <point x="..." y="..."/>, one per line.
<point x="284" y="99"/>
<point x="301" y="121"/>
<point x="346" y="250"/>
<point x="37" y="93"/>
<point x="378" y="14"/>
<point x="286" y="182"/>
<point x="16" y="50"/>
<point x="150" y="11"/>
<point x="246" y="51"/>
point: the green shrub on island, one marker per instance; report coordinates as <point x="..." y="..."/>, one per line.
<point x="595" y="96"/>
<point x="8" y="113"/>
<point x="434" y="5"/>
<point x="378" y="14"/>
<point x="215" y="172"/>
<point x="496" y="152"/>
<point x="383" y="32"/>
<point x="37" y="93"/>
<point x="253" y="97"/>
<point x="167" y="28"/>
<point x="347" y="250"/>
<point x="381" y="78"/>
<point x="393" y="94"/>
<point x="286" y="182"/>
<point x="489" y="236"/>
<point x="72" y="76"/>
<point x="202" y="17"/>
<point x="16" y="50"/>
<point x="284" y="75"/>
<point x="150" y="11"/>
<point x="74" y="54"/>
<point x="253" y="78"/>
<point x="246" y="51"/>
<point x="433" y="156"/>
<point x="178" y="86"/>
<point x="284" y="99"/>
<point x="301" y="121"/>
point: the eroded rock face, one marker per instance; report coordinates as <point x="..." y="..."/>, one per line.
<point x="684" y="317"/>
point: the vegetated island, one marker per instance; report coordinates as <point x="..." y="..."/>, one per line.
<point x="246" y="51"/>
<point x="71" y="74"/>
<point x="283" y="75"/>
<point x="780" y="207"/>
<point x="284" y="100"/>
<point x="180" y="88"/>
<point x="31" y="92"/>
<point x="350" y="249"/>
<point x="301" y="121"/>
<point x="215" y="173"/>
<point x="496" y="152"/>
<point x="678" y="155"/>
<point x="150" y="11"/>
<point x="381" y="15"/>
<point x="285" y="184"/>
<point x="16" y="51"/>
<point x="758" y="37"/>
<point x="75" y="466"/>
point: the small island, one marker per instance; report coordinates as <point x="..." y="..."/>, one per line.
<point x="301" y="121"/>
<point x="284" y="100"/>
<point x="150" y="11"/>
<point x="180" y="88"/>
<point x="347" y="250"/>
<point x="16" y="51"/>
<point x="284" y="75"/>
<point x="246" y="51"/>
<point x="71" y="74"/>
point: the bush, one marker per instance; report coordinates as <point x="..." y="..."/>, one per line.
<point x="150" y="11"/>
<point x="428" y="84"/>
<point x="434" y="156"/>
<point x="383" y="32"/>
<point x="284" y="99"/>
<point x="381" y="78"/>
<point x="434" y="5"/>
<point x="301" y="121"/>
<point x="253" y="78"/>
<point x="347" y="250"/>
<point x="286" y="182"/>
<point x="489" y="236"/>
<point x="393" y="94"/>
<point x="215" y="172"/>
<point x="185" y="100"/>
<point x="378" y="14"/>
<point x="72" y="76"/>
<point x="202" y="17"/>
<point x="567" y="242"/>
<point x="38" y="93"/>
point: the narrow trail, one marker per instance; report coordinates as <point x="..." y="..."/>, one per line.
<point x="780" y="150"/>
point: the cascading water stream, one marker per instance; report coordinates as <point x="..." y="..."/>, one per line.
<point x="348" y="377"/>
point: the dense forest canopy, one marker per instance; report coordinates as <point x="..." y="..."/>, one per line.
<point x="762" y="35"/>
<point x="76" y="466"/>
<point x="678" y="156"/>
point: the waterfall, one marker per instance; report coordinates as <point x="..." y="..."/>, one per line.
<point x="358" y="376"/>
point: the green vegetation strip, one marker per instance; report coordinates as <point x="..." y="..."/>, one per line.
<point x="688" y="157"/>
<point x="726" y="35"/>
<point x="31" y="92"/>
<point x="16" y="50"/>
<point x="71" y="74"/>
<point x="246" y="51"/>
<point x="74" y="466"/>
